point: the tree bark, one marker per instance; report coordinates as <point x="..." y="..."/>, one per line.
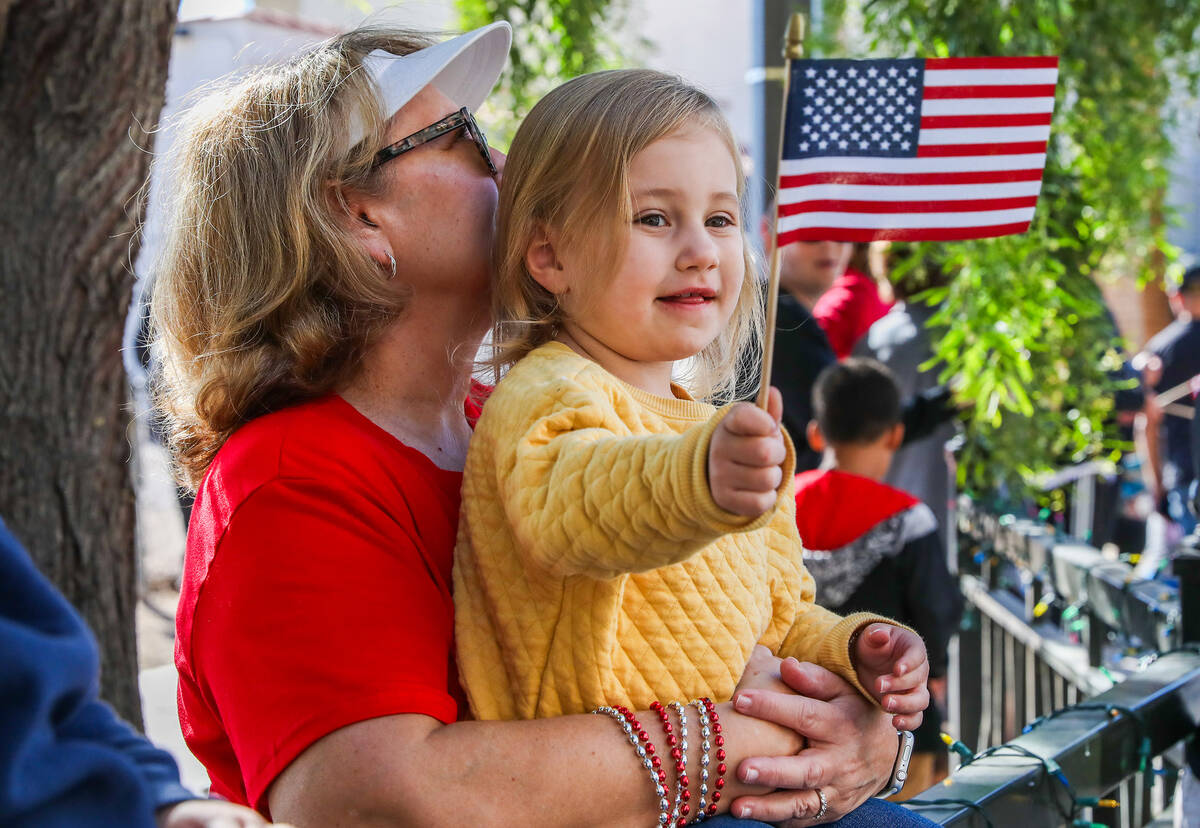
<point x="80" y="81"/>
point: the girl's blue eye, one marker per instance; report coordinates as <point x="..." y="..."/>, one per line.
<point x="653" y="220"/>
<point x="720" y="221"/>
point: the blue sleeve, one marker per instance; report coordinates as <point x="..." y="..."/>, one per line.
<point x="65" y="757"/>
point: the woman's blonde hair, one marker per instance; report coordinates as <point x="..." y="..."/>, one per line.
<point x="568" y="170"/>
<point x="261" y="297"/>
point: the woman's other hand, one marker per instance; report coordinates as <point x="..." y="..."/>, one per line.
<point x="851" y="748"/>
<point x="209" y="813"/>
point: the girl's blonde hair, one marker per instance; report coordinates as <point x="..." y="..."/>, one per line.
<point x="261" y="296"/>
<point x="568" y="170"/>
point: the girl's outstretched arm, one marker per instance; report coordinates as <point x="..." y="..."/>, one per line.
<point x="583" y="491"/>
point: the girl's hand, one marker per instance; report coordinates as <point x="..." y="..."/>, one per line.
<point x="892" y="664"/>
<point x="762" y="672"/>
<point x="850" y="753"/>
<point x="745" y="458"/>
<point x="209" y="813"/>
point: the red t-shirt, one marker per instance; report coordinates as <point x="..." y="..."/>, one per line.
<point x="316" y="592"/>
<point x="848" y="309"/>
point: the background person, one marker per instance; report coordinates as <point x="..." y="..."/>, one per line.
<point x="903" y="341"/>
<point x="323" y="292"/>
<point x="1170" y="358"/>
<point x="873" y="547"/>
<point x="852" y="304"/>
<point x="806" y="271"/>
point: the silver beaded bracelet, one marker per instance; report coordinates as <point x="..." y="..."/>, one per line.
<point x="666" y="814"/>
<point x="705" y="747"/>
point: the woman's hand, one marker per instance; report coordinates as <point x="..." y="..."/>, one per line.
<point x="851" y="748"/>
<point x="209" y="813"/>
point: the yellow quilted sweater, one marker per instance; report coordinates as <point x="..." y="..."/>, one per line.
<point x="593" y="566"/>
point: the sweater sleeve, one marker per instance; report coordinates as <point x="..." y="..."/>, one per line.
<point x="583" y="498"/>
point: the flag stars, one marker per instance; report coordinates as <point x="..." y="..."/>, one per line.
<point x="853" y="108"/>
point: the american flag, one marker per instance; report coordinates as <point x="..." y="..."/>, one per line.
<point x="914" y="149"/>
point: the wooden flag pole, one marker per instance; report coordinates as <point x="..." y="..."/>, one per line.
<point x="793" y="51"/>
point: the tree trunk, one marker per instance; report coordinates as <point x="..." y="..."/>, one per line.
<point x="80" y="81"/>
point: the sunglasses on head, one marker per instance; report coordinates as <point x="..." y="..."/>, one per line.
<point x="463" y="119"/>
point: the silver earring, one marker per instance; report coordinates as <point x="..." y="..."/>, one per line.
<point x="392" y="259"/>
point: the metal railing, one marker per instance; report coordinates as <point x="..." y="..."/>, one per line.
<point x="1060" y="637"/>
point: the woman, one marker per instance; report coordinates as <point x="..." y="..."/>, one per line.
<point x="323" y="292"/>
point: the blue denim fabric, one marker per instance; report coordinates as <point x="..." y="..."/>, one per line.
<point x="874" y="813"/>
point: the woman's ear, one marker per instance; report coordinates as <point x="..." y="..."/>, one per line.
<point x="542" y="262"/>
<point x="356" y="212"/>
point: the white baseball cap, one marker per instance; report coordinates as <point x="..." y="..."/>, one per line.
<point x="464" y="68"/>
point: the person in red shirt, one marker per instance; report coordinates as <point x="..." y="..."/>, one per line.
<point x="852" y="305"/>
<point x="322" y="293"/>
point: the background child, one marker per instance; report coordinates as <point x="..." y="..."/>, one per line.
<point x="621" y="542"/>
<point x="871" y="547"/>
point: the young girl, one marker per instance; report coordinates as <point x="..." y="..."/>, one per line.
<point x="620" y="541"/>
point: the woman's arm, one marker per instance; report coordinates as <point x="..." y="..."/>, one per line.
<point x="572" y="770"/>
<point x="579" y="770"/>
